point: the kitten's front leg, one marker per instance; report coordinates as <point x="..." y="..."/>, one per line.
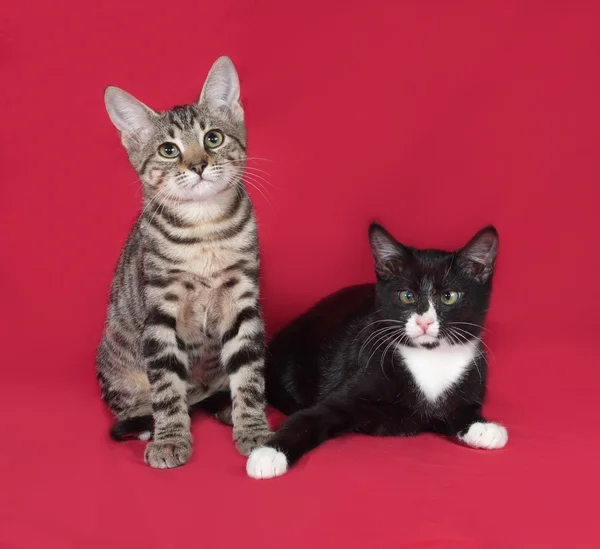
<point x="468" y="425"/>
<point x="305" y="430"/>
<point x="167" y="367"/>
<point x="243" y="355"/>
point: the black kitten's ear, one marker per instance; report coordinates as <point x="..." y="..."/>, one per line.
<point x="478" y="257"/>
<point x="388" y="253"/>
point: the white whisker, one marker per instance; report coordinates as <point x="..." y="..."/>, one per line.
<point x="375" y="335"/>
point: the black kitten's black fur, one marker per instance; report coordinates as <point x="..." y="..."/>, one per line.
<point x="335" y="373"/>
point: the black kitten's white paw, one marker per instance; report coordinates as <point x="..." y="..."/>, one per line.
<point x="490" y="436"/>
<point x="266" y="462"/>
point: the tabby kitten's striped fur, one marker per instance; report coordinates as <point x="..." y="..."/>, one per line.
<point x="184" y="320"/>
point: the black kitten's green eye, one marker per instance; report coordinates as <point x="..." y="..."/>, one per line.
<point x="450" y="298"/>
<point x="406" y="297"/>
<point x="169" y="150"/>
<point x="213" y="139"/>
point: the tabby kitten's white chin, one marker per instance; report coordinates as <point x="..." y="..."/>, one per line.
<point x="201" y="192"/>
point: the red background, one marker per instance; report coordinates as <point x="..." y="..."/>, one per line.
<point x="434" y="118"/>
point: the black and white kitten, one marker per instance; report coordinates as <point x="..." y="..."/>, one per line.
<point x="398" y="357"/>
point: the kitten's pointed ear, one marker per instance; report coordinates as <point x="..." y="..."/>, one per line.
<point x="388" y="253"/>
<point x="222" y="89"/>
<point x="131" y="117"/>
<point x="478" y="257"/>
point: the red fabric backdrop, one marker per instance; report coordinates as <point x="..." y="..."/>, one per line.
<point x="434" y="118"/>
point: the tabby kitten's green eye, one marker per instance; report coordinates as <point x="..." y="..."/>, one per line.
<point x="169" y="150"/>
<point x="450" y="298"/>
<point x="213" y="139"/>
<point x="406" y="297"/>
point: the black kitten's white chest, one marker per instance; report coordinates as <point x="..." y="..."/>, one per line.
<point x="434" y="371"/>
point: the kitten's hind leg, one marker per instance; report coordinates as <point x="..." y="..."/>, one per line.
<point x="300" y="433"/>
<point x="225" y="416"/>
<point x="141" y="427"/>
<point x="217" y="404"/>
<point x="126" y="390"/>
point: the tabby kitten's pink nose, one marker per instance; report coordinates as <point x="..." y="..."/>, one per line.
<point x="199" y="167"/>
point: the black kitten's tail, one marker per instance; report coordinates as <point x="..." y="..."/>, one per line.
<point x="142" y="427"/>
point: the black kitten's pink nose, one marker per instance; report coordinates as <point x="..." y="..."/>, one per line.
<point x="199" y="167"/>
<point x="424" y="324"/>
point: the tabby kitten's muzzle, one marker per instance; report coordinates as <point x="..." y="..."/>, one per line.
<point x="199" y="167"/>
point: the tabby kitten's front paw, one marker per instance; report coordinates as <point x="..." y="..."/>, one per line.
<point x="248" y="439"/>
<point x="166" y="454"/>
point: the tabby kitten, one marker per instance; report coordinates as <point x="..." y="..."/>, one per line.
<point x="184" y="321"/>
<point x="398" y="357"/>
